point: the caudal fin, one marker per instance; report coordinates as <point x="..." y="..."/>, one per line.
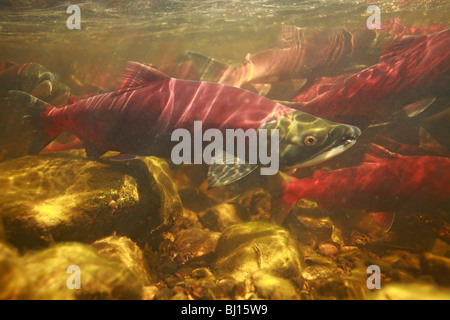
<point x="23" y="132"/>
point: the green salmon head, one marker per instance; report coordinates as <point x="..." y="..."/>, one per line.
<point x="36" y="80"/>
<point x="305" y="140"/>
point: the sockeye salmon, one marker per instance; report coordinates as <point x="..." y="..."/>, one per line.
<point x="29" y="77"/>
<point x="139" y="118"/>
<point x="384" y="183"/>
<point x="301" y="54"/>
<point x="414" y="69"/>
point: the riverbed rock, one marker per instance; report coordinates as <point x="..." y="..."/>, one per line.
<point x="338" y="288"/>
<point x="13" y="283"/>
<point x="219" y="217"/>
<point x="402" y="260"/>
<point x="48" y="274"/>
<point x="271" y="287"/>
<point x="51" y="274"/>
<point x="125" y="251"/>
<point x="411" y="291"/>
<point x="195" y="243"/>
<point x="309" y="225"/>
<point x="2" y="231"/>
<point x="67" y="197"/>
<point x="245" y="248"/>
<point x="438" y="267"/>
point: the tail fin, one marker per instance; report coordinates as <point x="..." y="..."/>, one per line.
<point x="24" y="130"/>
<point x="208" y="68"/>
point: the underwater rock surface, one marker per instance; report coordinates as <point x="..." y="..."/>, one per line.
<point x="13" y="283"/>
<point x="66" y="197"/>
<point x="248" y="247"/>
<point x="126" y="252"/>
<point x="46" y="275"/>
<point x="219" y="217"/>
<point x="134" y="239"/>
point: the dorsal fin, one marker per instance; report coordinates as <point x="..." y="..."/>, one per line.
<point x="291" y="35"/>
<point x="139" y="75"/>
<point x="377" y="154"/>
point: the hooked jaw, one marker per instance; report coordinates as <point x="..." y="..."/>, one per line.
<point x="348" y="135"/>
<point x="342" y="144"/>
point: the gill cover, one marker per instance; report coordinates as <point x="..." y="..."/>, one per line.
<point x="306" y="140"/>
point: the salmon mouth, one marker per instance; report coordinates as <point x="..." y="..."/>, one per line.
<point x="348" y="140"/>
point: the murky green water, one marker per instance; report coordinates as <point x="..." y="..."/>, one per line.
<point x="157" y="226"/>
<point x="159" y="32"/>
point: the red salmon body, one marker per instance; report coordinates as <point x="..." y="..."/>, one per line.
<point x="415" y="68"/>
<point x="385" y="182"/>
<point x="140" y="117"/>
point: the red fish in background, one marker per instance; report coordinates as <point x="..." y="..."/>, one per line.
<point x="301" y="54"/>
<point x="413" y="69"/>
<point x="425" y="148"/>
<point x="34" y="79"/>
<point x="384" y="182"/>
<point x="319" y="87"/>
<point x="28" y="77"/>
<point x="395" y="27"/>
<point x="304" y="54"/>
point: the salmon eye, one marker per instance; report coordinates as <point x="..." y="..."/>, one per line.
<point x="310" y="140"/>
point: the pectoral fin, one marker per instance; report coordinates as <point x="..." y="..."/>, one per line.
<point x="226" y="169"/>
<point x="418" y="107"/>
<point x="224" y="174"/>
<point x="125" y="157"/>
